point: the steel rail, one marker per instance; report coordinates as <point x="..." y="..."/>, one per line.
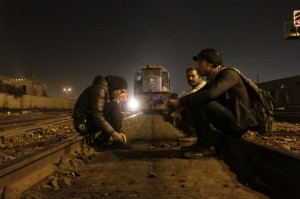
<point x="22" y="173"/>
<point x="288" y="116"/>
<point x="18" y="133"/>
<point x="9" y="125"/>
<point x="27" y="170"/>
<point x="271" y="170"/>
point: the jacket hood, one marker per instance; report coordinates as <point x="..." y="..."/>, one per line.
<point x="116" y="82"/>
<point x="98" y="79"/>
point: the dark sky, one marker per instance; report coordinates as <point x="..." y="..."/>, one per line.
<point x="69" y="42"/>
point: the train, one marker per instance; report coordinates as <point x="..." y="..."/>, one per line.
<point x="152" y="88"/>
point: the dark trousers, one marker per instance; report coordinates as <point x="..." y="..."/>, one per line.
<point x="187" y="121"/>
<point x="113" y="114"/>
<point x="219" y="116"/>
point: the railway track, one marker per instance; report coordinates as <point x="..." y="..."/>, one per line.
<point x="28" y="169"/>
<point x="271" y="170"/>
<point x="27" y="129"/>
<point x="8" y="122"/>
<point x="287" y="115"/>
<point x="266" y="167"/>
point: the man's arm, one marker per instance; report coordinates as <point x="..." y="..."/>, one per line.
<point x="97" y="100"/>
<point x="225" y="80"/>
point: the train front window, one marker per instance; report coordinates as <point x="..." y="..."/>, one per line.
<point x="152" y="71"/>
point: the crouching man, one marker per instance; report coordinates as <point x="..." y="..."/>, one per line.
<point x="98" y="110"/>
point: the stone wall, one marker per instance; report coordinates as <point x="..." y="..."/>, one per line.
<point x="34" y="102"/>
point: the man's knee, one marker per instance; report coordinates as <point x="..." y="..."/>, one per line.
<point x="213" y="113"/>
<point x="114" y="106"/>
<point x="112" y="109"/>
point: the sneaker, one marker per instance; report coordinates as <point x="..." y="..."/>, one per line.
<point x="103" y="145"/>
<point x="204" y="152"/>
<point x="193" y="135"/>
<point x="121" y="146"/>
<point x="102" y="141"/>
<point x="195" y="147"/>
<point x="187" y="139"/>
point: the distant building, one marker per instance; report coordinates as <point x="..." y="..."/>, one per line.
<point x="32" y="85"/>
<point x="285" y="91"/>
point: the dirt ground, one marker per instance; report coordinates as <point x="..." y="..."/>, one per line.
<point x="155" y="168"/>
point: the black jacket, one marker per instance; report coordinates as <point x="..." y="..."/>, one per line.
<point x="90" y="105"/>
<point x="228" y="89"/>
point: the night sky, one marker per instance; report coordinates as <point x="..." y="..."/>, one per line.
<point x="68" y="42"/>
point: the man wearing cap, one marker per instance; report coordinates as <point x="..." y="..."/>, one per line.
<point x="98" y="110"/>
<point x="223" y="103"/>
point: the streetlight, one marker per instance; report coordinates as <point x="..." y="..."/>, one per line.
<point x="67" y="90"/>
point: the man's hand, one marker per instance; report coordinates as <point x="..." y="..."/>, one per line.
<point x="124" y="137"/>
<point x="173" y="102"/>
<point x="118" y="137"/>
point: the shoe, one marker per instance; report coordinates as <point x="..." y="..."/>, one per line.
<point x="103" y="145"/>
<point x="197" y="151"/>
<point x="204" y="152"/>
<point x="193" y="135"/>
<point x="186" y="139"/>
<point x="121" y="146"/>
<point x="196" y="147"/>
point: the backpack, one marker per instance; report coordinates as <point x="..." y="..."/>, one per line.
<point x="262" y="103"/>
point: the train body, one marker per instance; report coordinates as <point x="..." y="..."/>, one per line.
<point x="152" y="87"/>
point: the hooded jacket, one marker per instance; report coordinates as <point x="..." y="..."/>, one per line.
<point x="92" y="100"/>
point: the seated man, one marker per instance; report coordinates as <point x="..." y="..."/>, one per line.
<point x="182" y="116"/>
<point x="223" y="103"/>
<point x="98" y="110"/>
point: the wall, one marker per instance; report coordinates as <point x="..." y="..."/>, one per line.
<point x="32" y="84"/>
<point x="34" y="102"/>
<point x="277" y="88"/>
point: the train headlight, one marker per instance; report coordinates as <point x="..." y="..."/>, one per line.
<point x="133" y="104"/>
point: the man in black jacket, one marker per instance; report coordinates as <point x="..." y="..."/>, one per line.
<point x="223" y="103"/>
<point x="97" y="110"/>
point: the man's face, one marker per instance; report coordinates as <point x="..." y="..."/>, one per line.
<point x="119" y="93"/>
<point x="193" y="78"/>
<point x="203" y="67"/>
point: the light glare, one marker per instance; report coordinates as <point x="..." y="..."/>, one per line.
<point x="133" y="104"/>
